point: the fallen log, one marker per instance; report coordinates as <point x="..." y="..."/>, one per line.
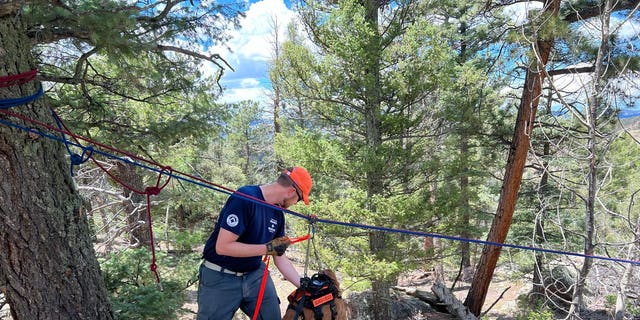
<point x="453" y="305"/>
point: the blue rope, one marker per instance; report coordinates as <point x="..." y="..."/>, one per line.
<point x="76" y="159"/>
<point x="340" y="223"/>
<point x="8" y="103"/>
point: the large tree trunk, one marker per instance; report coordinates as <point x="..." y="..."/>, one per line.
<point x="464" y="206"/>
<point x="47" y="261"/>
<point x="135" y="206"/>
<point x="515" y="167"/>
<point x="381" y="304"/>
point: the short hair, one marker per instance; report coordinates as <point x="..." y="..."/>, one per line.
<point x="284" y="180"/>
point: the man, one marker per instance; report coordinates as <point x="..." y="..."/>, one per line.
<point x="247" y="229"/>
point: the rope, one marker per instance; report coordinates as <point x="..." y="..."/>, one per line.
<point x="148" y="191"/>
<point x="8" y="103"/>
<point x="76" y="159"/>
<point x="17" y="79"/>
<point x="263" y="284"/>
<point x="204" y="183"/>
<point x="311" y="232"/>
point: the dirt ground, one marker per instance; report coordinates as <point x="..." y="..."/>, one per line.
<point x="283" y="287"/>
<point x="501" y="299"/>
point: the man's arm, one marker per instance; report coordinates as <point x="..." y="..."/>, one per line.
<point x="287" y="269"/>
<point x="228" y="245"/>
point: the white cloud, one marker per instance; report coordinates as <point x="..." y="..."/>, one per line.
<point x="629" y="28"/>
<point x="255" y="93"/>
<point x="250" y="51"/>
<point x="249" y="82"/>
<point x="519" y="12"/>
<point x="573" y="87"/>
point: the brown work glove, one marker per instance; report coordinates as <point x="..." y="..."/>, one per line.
<point x="278" y="246"/>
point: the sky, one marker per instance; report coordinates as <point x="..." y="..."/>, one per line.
<point x="252" y="51"/>
<point x="251" y="48"/>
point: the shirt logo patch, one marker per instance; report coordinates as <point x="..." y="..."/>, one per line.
<point x="232" y="220"/>
<point x="273" y="225"/>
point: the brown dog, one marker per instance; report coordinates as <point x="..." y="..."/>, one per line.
<point x="322" y="299"/>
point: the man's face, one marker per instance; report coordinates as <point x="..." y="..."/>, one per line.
<point x="292" y="197"/>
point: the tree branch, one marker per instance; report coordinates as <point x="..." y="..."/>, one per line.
<point x="212" y="58"/>
<point x="168" y="7"/>
<point x="590" y="12"/>
<point x="572" y="70"/>
<point x="494" y="303"/>
<point x="106" y="86"/>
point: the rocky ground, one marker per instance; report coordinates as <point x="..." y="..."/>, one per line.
<point x="500" y="302"/>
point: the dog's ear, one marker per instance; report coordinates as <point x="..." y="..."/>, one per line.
<point x="329" y="273"/>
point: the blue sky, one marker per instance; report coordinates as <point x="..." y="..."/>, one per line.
<point x="251" y="51"/>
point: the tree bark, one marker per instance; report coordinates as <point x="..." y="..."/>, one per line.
<point x="538" y="288"/>
<point x="594" y="107"/>
<point x="381" y="304"/>
<point x="464" y="205"/>
<point x="47" y="261"/>
<point x="515" y="167"/>
<point x="137" y="220"/>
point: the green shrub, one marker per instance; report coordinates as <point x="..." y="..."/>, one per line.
<point x="529" y="310"/>
<point x="133" y="288"/>
<point x="186" y="240"/>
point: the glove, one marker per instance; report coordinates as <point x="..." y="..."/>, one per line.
<point x="278" y="246"/>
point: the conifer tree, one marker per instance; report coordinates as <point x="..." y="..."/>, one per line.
<point x="365" y="91"/>
<point x="94" y="57"/>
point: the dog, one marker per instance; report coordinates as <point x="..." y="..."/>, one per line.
<point x="321" y="299"/>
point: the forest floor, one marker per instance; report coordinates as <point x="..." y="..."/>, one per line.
<point x="501" y="300"/>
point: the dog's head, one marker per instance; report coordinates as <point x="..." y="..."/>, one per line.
<point x="335" y="300"/>
<point x="332" y="275"/>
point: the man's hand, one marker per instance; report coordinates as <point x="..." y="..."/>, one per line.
<point x="278" y="246"/>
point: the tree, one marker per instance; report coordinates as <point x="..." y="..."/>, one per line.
<point x="47" y="261"/>
<point x="535" y="75"/>
<point x="365" y="89"/>
<point x="545" y="42"/>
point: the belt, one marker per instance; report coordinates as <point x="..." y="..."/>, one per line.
<point x="218" y="268"/>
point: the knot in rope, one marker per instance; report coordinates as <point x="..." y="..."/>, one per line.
<point x="77" y="159"/>
<point x="155" y="190"/>
<point x="152" y="191"/>
<point x="153" y="267"/>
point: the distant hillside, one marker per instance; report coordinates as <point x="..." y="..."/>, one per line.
<point x="629" y="113"/>
<point x="631" y="121"/>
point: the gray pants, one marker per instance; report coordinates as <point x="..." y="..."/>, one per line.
<point x="220" y="295"/>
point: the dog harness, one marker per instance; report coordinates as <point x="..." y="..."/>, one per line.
<point x="314" y="293"/>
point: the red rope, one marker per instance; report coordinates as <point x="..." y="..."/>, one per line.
<point x="17" y="79"/>
<point x="263" y="284"/>
<point x="106" y="147"/>
<point x="148" y="191"/>
<point x="313" y="217"/>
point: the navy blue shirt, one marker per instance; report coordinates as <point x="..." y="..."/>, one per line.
<point x="253" y="222"/>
